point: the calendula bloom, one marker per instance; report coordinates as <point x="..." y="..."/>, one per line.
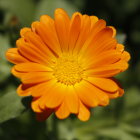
<point x="67" y="64"/>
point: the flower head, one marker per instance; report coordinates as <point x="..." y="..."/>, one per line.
<point x="67" y="64"/>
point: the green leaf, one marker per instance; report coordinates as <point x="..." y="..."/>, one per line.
<point x="23" y="9"/>
<point x="134" y="130"/>
<point x="4" y="65"/>
<point x="48" y="7"/>
<point x="4" y="45"/>
<point x="132" y="104"/>
<point x="69" y="131"/>
<point x="132" y="93"/>
<point x="4" y="71"/>
<point x="111" y="132"/>
<point x="119" y="132"/>
<point x="10" y="106"/>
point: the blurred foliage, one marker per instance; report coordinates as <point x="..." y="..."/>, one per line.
<point x="118" y="121"/>
<point x="10" y="106"/>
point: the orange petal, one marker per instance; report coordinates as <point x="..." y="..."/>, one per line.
<point x="98" y="26"/>
<point x="120" y="47"/>
<point x="114" y="30"/>
<point x="106" y="84"/>
<point x="101" y="42"/>
<point x="86" y="95"/>
<point x="75" y="27"/>
<point x="48" y="35"/>
<point x="47" y="20"/>
<point x="16" y="73"/>
<point x="31" y="53"/>
<point x="91" y="95"/>
<point x="100" y="94"/>
<point x="126" y="56"/>
<point x="84" y="113"/>
<point x="34" y="40"/>
<point x="54" y="95"/>
<point x="104" y="58"/>
<point x="93" y="19"/>
<point x="86" y="23"/>
<point x="62" y="23"/>
<point x="25" y="89"/>
<point x="108" y="70"/>
<point x="51" y="34"/>
<point x="36" y="77"/>
<point x="35" y="105"/>
<point x="62" y="111"/>
<point x="46" y="89"/>
<point x="13" y="56"/>
<point x="41" y="89"/>
<point x="116" y="94"/>
<point x="32" y="67"/>
<point x="63" y="12"/>
<point x="113" y="95"/>
<point x="121" y="90"/>
<point x="24" y="30"/>
<point x="72" y="100"/>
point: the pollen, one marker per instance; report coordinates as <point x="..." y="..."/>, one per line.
<point x="68" y="70"/>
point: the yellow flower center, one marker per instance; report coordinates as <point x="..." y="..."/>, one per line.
<point x="68" y="70"/>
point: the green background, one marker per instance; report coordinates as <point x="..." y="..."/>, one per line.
<point x="118" y="121"/>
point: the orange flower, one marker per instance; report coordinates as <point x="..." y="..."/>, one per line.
<point x="67" y="64"/>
